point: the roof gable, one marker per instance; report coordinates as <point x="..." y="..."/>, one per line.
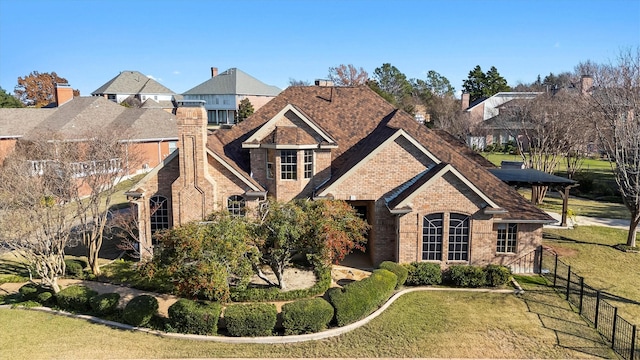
<point x="233" y="82"/>
<point x="362" y="161"/>
<point x="298" y="129"/>
<point x="424" y="180"/>
<point x="132" y="82"/>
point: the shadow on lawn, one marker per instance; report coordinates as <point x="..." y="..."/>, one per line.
<point x="572" y="332"/>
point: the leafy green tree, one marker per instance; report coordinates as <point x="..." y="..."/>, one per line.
<point x="203" y="259"/>
<point x="38" y="89"/>
<point x="245" y="109"/>
<point x="335" y="229"/>
<point x="482" y="85"/>
<point x="392" y="81"/>
<point x="9" y="101"/>
<point x="280" y="237"/>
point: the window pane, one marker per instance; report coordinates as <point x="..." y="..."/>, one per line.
<point x="507" y="238"/>
<point x="236" y="205"/>
<point x="288" y="164"/>
<point x="159" y="209"/>
<point x="432" y="237"/>
<point x="308" y="164"/>
<point x="458" y="237"/>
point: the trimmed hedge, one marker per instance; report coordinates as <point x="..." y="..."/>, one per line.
<point x="105" y="304"/>
<point x="306" y="316"/>
<point x="496" y="275"/>
<point x="30" y="291"/>
<point x="360" y="298"/>
<point x="45" y="298"/>
<point x="258" y="319"/>
<point x="74" y="269"/>
<point x="466" y="276"/>
<point x="75" y="298"/>
<point x="140" y="310"/>
<point x="323" y="282"/>
<point x="423" y="273"/>
<point x="400" y="271"/>
<point x="190" y="317"/>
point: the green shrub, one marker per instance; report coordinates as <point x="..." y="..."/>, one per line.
<point x="258" y="319"/>
<point x="360" y="298"/>
<point x="45" y="298"/>
<point x="30" y="291"/>
<point x="75" y="298"/>
<point x="190" y="317"/>
<point x="466" y="276"/>
<point x="74" y="269"/>
<point x="323" y="282"/>
<point x="306" y="316"/>
<point x="400" y="271"/>
<point x="105" y="304"/>
<point x="140" y="310"/>
<point x="496" y="275"/>
<point x="423" y="273"/>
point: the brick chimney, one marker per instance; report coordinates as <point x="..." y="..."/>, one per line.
<point x="194" y="190"/>
<point x="63" y="93"/>
<point x="464" y="101"/>
<point x="586" y="84"/>
<point x="214" y="71"/>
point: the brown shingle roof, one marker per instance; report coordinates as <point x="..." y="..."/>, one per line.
<point x="360" y="120"/>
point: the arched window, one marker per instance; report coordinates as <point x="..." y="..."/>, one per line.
<point x="235" y="205"/>
<point x="159" y="208"/>
<point x="432" y="237"/>
<point x="458" y="237"/>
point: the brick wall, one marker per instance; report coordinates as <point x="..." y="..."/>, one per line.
<point x="394" y="165"/>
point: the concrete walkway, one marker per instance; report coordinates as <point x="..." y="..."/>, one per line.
<point x="589" y="221"/>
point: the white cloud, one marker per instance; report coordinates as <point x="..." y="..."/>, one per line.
<point x="154" y="78"/>
<point x="176" y="72"/>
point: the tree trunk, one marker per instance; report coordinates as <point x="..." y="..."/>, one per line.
<point x="537" y="194"/>
<point x="633" y="226"/>
<point x="279" y="272"/>
<point x="92" y="257"/>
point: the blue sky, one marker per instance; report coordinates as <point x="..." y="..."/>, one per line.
<point x="177" y="42"/>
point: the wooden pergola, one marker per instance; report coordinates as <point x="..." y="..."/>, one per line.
<point x="531" y="177"/>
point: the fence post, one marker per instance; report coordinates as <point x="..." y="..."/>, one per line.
<point x="581" y="294"/>
<point x="633" y="342"/>
<point x="555" y="271"/>
<point x="568" y="281"/>
<point x="613" y="332"/>
<point x="541" y="255"/>
<point x="595" y="321"/>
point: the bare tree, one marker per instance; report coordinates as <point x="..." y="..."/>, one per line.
<point x="103" y="160"/>
<point x="35" y="215"/>
<point x="348" y="75"/>
<point x="614" y="106"/>
<point x="545" y="131"/>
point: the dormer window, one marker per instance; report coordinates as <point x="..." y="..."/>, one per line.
<point x="288" y="165"/>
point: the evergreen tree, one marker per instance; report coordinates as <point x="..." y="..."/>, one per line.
<point x="245" y="109"/>
<point x="482" y="85"/>
<point x="8" y="101"/>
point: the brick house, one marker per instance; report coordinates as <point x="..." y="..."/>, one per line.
<point x="223" y="92"/>
<point x="425" y="196"/>
<point x="150" y="135"/>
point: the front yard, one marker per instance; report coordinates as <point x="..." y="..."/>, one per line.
<point x="420" y="324"/>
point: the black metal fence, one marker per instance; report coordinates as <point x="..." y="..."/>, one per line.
<point x="622" y="334"/>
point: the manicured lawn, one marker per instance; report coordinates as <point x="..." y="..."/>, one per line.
<point x="581" y="206"/>
<point x="590" y="253"/>
<point x="595" y="165"/>
<point x="420" y="324"/>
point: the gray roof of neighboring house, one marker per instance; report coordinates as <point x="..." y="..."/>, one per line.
<point x="132" y="82"/>
<point x="15" y="122"/>
<point x="236" y="82"/>
<point x="78" y="118"/>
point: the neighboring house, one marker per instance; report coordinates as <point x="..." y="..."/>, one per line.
<point x="223" y="92"/>
<point x="486" y="109"/>
<point x="423" y="195"/>
<point x="151" y="134"/>
<point x="133" y="84"/>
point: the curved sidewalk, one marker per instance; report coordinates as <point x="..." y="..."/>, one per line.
<point x="268" y="339"/>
